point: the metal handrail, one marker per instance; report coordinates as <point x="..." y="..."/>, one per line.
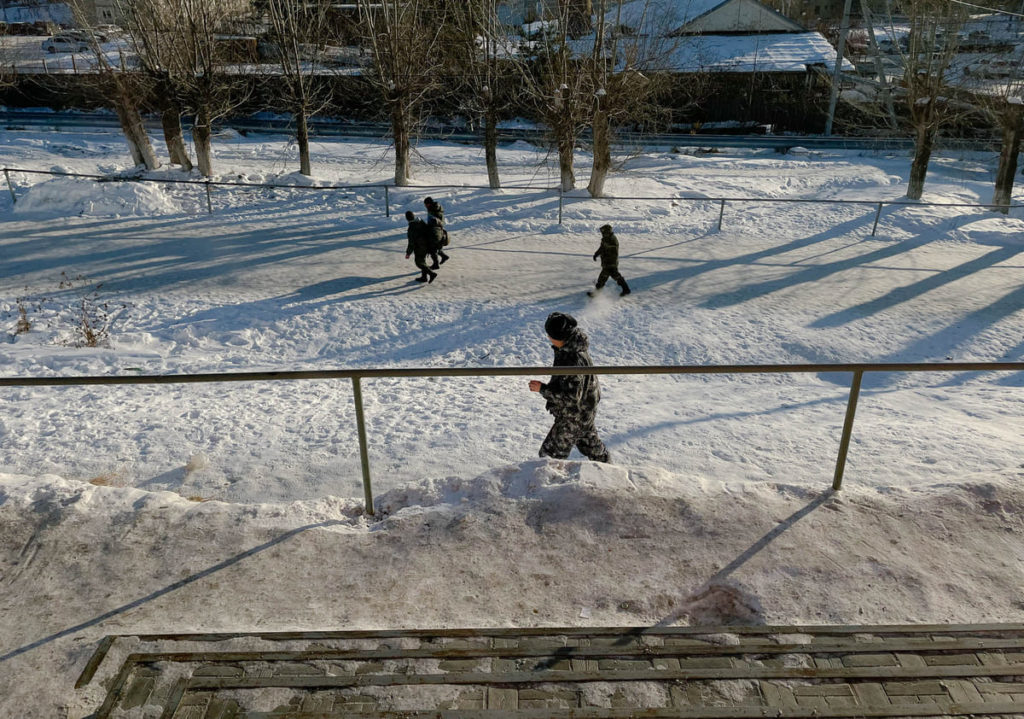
<point x="356" y="375"/>
<point x="217" y="183"/>
<point x="561" y="194"/>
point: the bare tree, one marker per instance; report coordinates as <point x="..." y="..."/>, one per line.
<point x="628" y="72"/>
<point x="149" y="26"/>
<point x="1010" y="123"/>
<point x="1002" y="102"/>
<point x="197" y="67"/>
<point x="931" y="49"/>
<point x="404" y="39"/>
<point x="485" y="67"/>
<point x="602" y="81"/>
<point x="561" y="90"/>
<point x="298" y="30"/>
<point x="124" y="89"/>
<point x="578" y="16"/>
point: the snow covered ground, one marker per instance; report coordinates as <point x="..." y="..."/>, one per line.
<point x="110" y="495"/>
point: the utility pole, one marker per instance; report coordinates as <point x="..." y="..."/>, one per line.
<point x="844" y="28"/>
<point x="883" y="79"/>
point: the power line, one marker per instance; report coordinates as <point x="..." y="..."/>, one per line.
<point x="990" y="9"/>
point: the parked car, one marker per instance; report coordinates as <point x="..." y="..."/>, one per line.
<point x="65" y="43"/>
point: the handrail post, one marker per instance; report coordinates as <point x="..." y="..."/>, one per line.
<point x="10" y="186"/>
<point x="844" y="443"/>
<point x="721" y="212"/>
<point x="387" y="202"/>
<point x="559" y="203"/>
<point x="209" y="201"/>
<point x="364" y="457"/>
<point x="878" y="214"/>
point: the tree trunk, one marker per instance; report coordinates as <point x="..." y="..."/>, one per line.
<point x="602" y="154"/>
<point x="491" y="148"/>
<point x="302" y="135"/>
<point x="919" y="167"/>
<point x="135" y="132"/>
<point x="201" y="136"/>
<point x="1011" y="122"/>
<point x="568" y="178"/>
<point x="136" y="153"/>
<point x="170" y="118"/>
<point x="400" y="130"/>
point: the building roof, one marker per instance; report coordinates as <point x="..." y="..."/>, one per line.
<point x="774" y="52"/>
<point x="672" y="17"/>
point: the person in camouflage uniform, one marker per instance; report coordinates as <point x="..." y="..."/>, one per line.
<point x="571" y="398"/>
<point x="419" y="244"/>
<point x="609" y="254"/>
<point x="435" y="223"/>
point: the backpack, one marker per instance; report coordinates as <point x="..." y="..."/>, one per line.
<point x="444" y="238"/>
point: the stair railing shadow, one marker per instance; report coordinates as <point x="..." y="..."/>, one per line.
<point x="152" y="596"/>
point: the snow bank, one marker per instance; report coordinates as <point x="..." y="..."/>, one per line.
<point x="68" y="196"/>
<point x="543" y="543"/>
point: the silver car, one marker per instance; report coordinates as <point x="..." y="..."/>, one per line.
<point x="65" y="43"/>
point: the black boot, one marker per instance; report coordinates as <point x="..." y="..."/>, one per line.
<point x="421" y="278"/>
<point x="444" y="257"/>
<point x="625" y="289"/>
<point x="433" y="276"/>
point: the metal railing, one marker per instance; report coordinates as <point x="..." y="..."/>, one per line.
<point x="562" y="197"/>
<point x="878" y="204"/>
<point x="357" y="375"/>
<point x="207" y="184"/>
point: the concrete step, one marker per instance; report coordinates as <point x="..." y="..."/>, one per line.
<point x="578" y="672"/>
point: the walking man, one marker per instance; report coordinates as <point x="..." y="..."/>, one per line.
<point x="609" y="254"/>
<point x="418" y="246"/>
<point x="435" y="222"/>
<point x="571" y="398"/>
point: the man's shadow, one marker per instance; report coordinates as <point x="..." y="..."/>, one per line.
<point x="714" y="588"/>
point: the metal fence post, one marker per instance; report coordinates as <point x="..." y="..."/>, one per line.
<point x="10" y="186"/>
<point x="559" y="203"/>
<point x="364" y="457"/>
<point x="209" y="202"/>
<point x="878" y="214"/>
<point x="721" y="212"/>
<point x="387" y="202"/>
<point x="844" y="443"/>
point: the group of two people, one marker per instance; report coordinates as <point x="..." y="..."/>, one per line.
<point x="427" y="238"/>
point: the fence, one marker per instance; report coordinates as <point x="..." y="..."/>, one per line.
<point x="356" y="376"/>
<point x="562" y="197"/>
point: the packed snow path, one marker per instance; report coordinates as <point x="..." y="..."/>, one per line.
<point x="307" y="279"/>
<point x="713" y="476"/>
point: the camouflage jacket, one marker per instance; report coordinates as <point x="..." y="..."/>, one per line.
<point x="572" y="394"/>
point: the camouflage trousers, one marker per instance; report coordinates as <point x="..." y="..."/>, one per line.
<point x="612" y="272"/>
<point x="572" y="430"/>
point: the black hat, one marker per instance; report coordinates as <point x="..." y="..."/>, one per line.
<point x="428" y="200"/>
<point x="410" y="215"/>
<point x="559" y="326"/>
<point x="606" y="229"/>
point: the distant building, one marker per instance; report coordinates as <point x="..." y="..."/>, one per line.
<point x="99" y="12"/>
<point x="725" y="36"/>
<point x="754" y="63"/>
